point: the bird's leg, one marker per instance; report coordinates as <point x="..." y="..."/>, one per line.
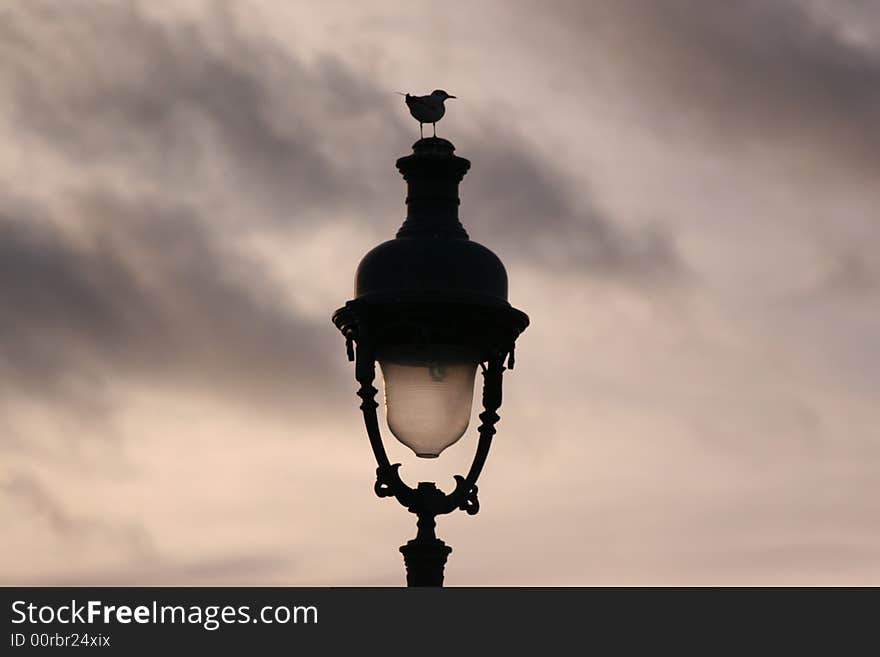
<point x="421" y="134"/>
<point x="435" y="129"/>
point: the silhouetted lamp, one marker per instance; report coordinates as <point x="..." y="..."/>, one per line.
<point x="431" y="308"/>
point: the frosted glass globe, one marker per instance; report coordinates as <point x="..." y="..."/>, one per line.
<point x="429" y="392"/>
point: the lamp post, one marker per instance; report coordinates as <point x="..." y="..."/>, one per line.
<point x="430" y="307"/>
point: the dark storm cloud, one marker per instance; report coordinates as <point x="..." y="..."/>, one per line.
<point x="144" y="289"/>
<point x="162" y="101"/>
<point x="107" y="284"/>
<point x="529" y="209"/>
<point x="171" y="103"/>
<point x="769" y="71"/>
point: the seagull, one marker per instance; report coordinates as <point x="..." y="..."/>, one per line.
<point x="427" y="109"/>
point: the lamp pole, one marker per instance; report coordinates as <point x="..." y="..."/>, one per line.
<point x="430" y="306"/>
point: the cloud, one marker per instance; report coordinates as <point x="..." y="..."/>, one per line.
<point x="532" y="210"/>
<point x="192" y="108"/>
<point x="27" y="491"/>
<point x="231" y="570"/>
<point x="743" y="73"/>
<point x="137" y="273"/>
<point x="209" y="111"/>
<point x="850" y="274"/>
<point x="144" y="289"/>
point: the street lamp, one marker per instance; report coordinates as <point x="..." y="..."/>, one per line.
<point x="430" y="307"/>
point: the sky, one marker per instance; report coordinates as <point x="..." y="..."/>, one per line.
<point x="684" y="195"/>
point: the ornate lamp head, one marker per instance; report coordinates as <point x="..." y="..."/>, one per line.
<point x="431" y="307"/>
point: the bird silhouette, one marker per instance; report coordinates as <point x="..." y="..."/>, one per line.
<point x="427" y="109"/>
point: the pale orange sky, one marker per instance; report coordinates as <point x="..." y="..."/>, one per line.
<point x="684" y="195"/>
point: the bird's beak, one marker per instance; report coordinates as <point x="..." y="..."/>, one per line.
<point x="452" y="96"/>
